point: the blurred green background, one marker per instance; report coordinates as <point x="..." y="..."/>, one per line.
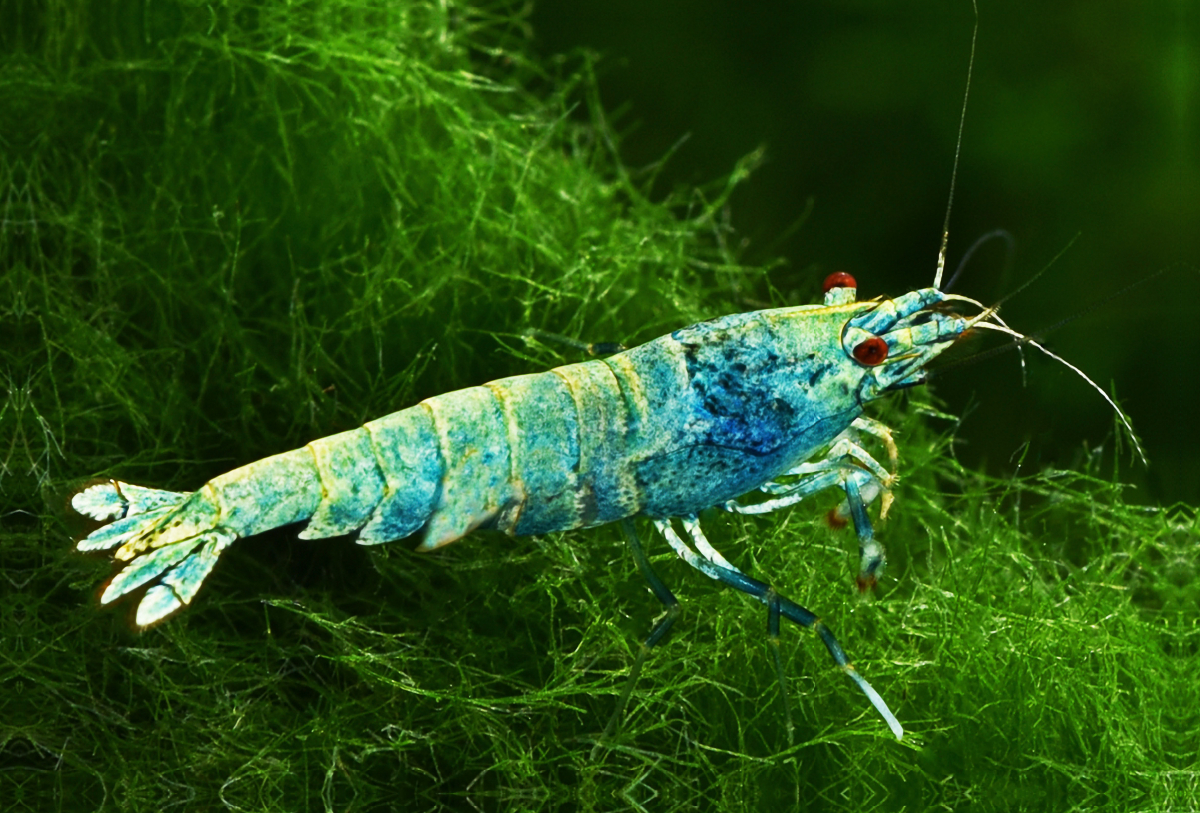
<point x="1083" y="120"/>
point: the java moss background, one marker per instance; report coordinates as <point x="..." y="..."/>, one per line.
<point x="230" y="229"/>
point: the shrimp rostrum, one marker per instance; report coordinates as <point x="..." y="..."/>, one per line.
<point x="698" y="418"/>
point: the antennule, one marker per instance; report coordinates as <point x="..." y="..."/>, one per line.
<point x="962" y="119"/>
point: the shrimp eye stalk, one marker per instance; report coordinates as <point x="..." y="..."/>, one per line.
<point x="838" y="279"/>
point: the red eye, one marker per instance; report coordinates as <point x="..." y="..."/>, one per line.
<point x="839" y="279"/>
<point x="871" y="352"/>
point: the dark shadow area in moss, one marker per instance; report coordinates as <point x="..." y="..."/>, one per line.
<point x="229" y="230"/>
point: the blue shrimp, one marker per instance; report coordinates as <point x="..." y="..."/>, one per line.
<point x="694" y="419"/>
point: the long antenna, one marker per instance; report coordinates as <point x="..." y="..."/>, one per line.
<point x="1037" y="335"/>
<point x="962" y="119"/>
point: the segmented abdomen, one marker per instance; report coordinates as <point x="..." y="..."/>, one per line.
<point x="529" y="454"/>
<point x="524" y="455"/>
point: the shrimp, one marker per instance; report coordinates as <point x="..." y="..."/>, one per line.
<point x="694" y="419"/>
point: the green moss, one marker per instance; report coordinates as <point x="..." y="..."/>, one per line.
<point x="228" y="230"/>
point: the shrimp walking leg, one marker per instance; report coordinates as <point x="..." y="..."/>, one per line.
<point x="870" y="552"/>
<point x="786" y="607"/>
<point x="861" y="486"/>
<point x="774" y="610"/>
<point x="661" y="628"/>
<point x="692" y="526"/>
